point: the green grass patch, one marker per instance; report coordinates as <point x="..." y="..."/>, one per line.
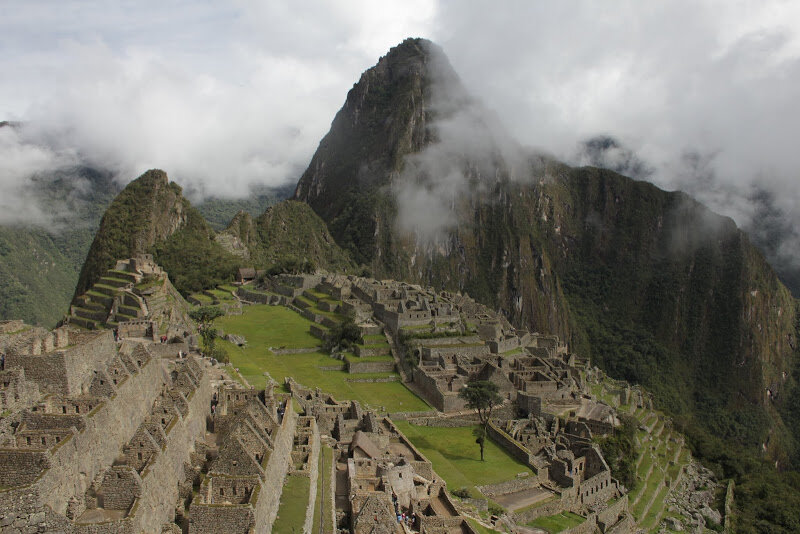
<point x="651" y="519"/>
<point x="205" y="299"/>
<point x="294" y="501"/>
<point x="275" y="326"/>
<point x="374" y="338"/>
<point x="456" y="456"/>
<point x="374" y="344"/>
<point x="305" y="300"/>
<point x="270" y="326"/>
<point x="654" y="485"/>
<point x="222" y="295"/>
<point x="307" y="369"/>
<point x="480" y="528"/>
<point x="558" y="522"/>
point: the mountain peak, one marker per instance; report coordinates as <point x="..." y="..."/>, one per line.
<point x="384" y="118"/>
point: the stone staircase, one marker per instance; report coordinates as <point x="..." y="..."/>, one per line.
<point x="110" y="300"/>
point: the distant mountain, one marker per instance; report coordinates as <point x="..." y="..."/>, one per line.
<point x="415" y="180"/>
<point x="39" y="264"/>
<point x="219" y="212"/>
<point x="151" y="216"/>
<point x="771" y="229"/>
<point x="288" y="232"/>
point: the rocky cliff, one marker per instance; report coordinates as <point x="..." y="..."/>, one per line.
<point x="416" y="180"/>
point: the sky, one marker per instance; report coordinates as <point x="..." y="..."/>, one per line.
<point x="223" y="95"/>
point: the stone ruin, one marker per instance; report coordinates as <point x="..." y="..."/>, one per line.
<point x="380" y="474"/>
<point x="95" y="434"/>
<point x="136" y="298"/>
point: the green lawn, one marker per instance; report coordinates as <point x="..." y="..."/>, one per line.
<point x="222" y="294"/>
<point x="292" y="510"/>
<point x="266" y="326"/>
<point x="275" y="326"/>
<point x="558" y="522"/>
<point x="480" y="528"/>
<point x="456" y="456"/>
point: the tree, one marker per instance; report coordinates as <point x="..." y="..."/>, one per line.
<point x="481" y="396"/>
<point x="344" y="335"/>
<point x="204" y="317"/>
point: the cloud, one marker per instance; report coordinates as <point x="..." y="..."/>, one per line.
<point x="221" y="97"/>
<point x="20" y="161"/>
<point x="227" y="95"/>
<point x="666" y="79"/>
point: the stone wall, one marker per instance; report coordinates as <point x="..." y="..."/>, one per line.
<point x="266" y="508"/>
<point x="21" y="467"/>
<point x="356" y="367"/>
<point x="509" y="486"/>
<point x="514" y="448"/>
<point x="253" y="296"/>
<point x="611" y="515"/>
<point x="15" y="391"/>
<point x="108" y="427"/>
<point x="557" y="506"/>
<point x="364" y="351"/>
<point x="313" y="474"/>
<point x="445" y="422"/>
<point x="160" y="480"/>
<point x="67" y="371"/>
<point x="216" y="518"/>
<point x="76" y="461"/>
<point x="169" y="350"/>
<point x="14" y="325"/>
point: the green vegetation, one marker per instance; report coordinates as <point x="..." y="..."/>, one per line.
<point x="480" y="528"/>
<point x="556" y="523"/>
<point x="448" y="450"/>
<point x="192" y="258"/>
<point x="619" y="451"/>
<point x="294" y="501"/>
<point x="481" y="396"/>
<point x="290" y="236"/>
<point x="343" y="336"/>
<point x="278" y="327"/>
<point x="270" y="326"/>
<point x="151" y="216"/>
<point x="36" y="280"/>
<point x="39" y="264"/>
<point x="204" y="317"/>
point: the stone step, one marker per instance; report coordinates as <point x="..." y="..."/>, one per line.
<point x="83" y="323"/>
<point x="114" y="282"/>
<point x="101" y="298"/>
<point x="93" y="315"/>
<point x="95" y="306"/>
<point x="123" y="317"/>
<point x="130" y="300"/>
<point x="129" y="310"/>
<point x="124" y="275"/>
<point x="109" y="291"/>
<point x="309" y="296"/>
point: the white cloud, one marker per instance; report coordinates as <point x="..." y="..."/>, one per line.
<point x="222" y="95"/>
